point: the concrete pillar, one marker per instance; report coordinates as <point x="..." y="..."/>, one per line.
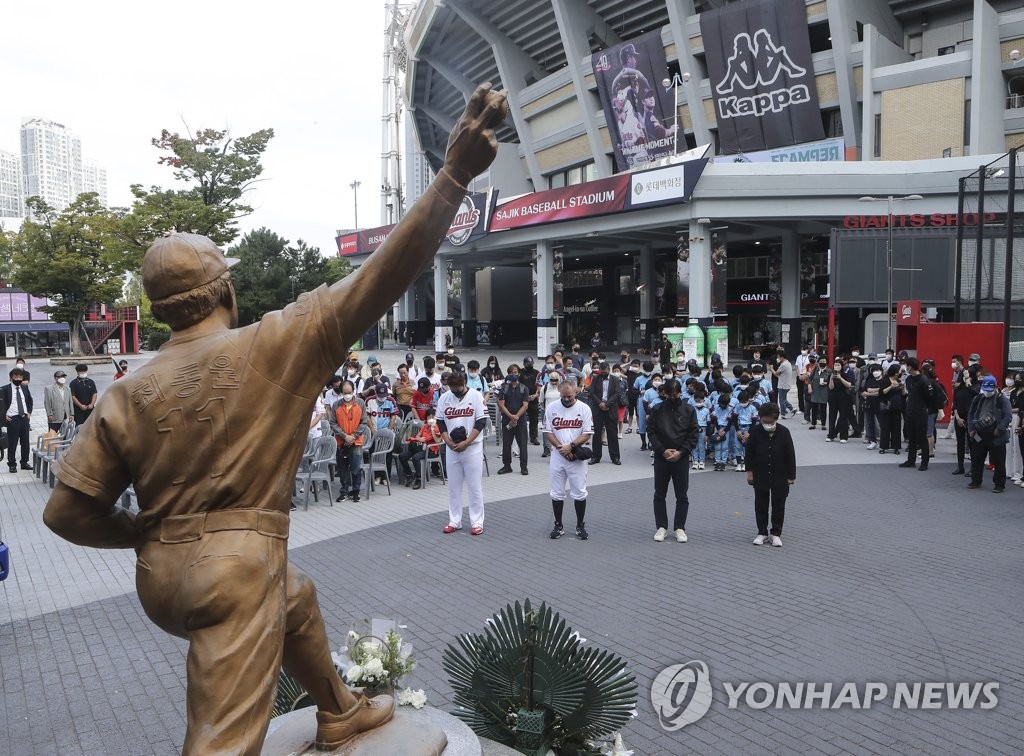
<point x="468" y="311"/>
<point x="700" y="272"/>
<point x="648" y="321"/>
<point x="543" y="273"/>
<point x="442" y="323"/>
<point x="790" y="282"/>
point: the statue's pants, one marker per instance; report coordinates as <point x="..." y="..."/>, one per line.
<point x="232" y="594"/>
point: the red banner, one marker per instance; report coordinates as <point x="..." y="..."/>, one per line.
<point x="363" y="242"/>
<point x="566" y="203"/>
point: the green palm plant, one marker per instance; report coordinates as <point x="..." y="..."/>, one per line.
<point x="527" y="682"/>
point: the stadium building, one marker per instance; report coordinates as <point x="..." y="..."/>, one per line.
<point x="668" y="162"/>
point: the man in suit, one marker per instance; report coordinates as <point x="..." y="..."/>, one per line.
<point x="57" y="401"/>
<point x="17" y="401"/>
<point x="607" y="393"/>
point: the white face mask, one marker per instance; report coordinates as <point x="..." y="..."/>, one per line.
<point x="803" y="351"/>
<point x="770" y="427"/>
<point x="954" y="365"/>
<point x="877" y="374"/>
<point x="432" y="421"/>
<point x="617" y="374"/>
<point x="347" y="397"/>
<point x="656" y="384"/>
<point x="61" y="381"/>
<point x="83" y="375"/>
<point x="1009" y="381"/>
<point x="855" y="354"/>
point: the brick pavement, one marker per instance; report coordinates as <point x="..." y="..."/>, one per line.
<point x="887" y="575"/>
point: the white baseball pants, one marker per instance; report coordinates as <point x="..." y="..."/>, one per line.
<point x="466" y="466"/>
<point x="563" y="470"/>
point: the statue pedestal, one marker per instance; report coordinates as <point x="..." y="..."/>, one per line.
<point x="412" y="732"/>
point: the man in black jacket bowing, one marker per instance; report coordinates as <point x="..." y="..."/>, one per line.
<point x="672" y="429"/>
<point x="771" y="470"/>
<point x="606" y="394"/>
<point x="17" y="406"/>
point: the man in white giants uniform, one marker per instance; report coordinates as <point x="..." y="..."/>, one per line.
<point x="461" y="418"/>
<point x="569" y="424"/>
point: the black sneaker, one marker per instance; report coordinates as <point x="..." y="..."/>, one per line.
<point x="581" y="533"/>
<point x="557" y="531"/>
<point x="504" y="470"/>
<point x="342" y="496"/>
<point x="355" y="496"/>
<point x="974" y="485"/>
<point x="547" y="453"/>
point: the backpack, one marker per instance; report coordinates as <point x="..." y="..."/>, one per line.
<point x="939" y="398"/>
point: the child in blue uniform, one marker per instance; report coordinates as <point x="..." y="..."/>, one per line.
<point x="703" y="412"/>
<point x="746" y="415"/>
<point x="723" y="418"/>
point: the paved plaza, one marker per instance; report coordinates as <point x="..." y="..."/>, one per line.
<point x="887" y="576"/>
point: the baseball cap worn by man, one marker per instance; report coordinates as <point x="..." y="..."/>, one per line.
<point x="179" y="263"/>
<point x="988" y="383"/>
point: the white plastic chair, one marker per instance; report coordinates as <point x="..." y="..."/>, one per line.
<point x="324" y="453"/>
<point x="383" y="445"/>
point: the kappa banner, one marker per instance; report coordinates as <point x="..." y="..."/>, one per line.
<point x="762" y="77"/>
<point x="637" y="108"/>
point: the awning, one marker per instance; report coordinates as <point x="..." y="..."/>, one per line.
<point x="29" y="327"/>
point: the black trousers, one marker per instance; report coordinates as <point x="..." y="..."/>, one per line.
<point x="817" y="413"/>
<point x="517" y="433"/>
<point x="996" y="454"/>
<point x="533" y="414"/>
<point x="890" y="429"/>
<point x="679" y="474"/>
<point x="606" y="421"/>
<point x="17" y="431"/>
<point x="840" y="416"/>
<point x="961" y="443"/>
<point x="776" y="499"/>
<point x="801" y="397"/>
<point x="917" y="435"/>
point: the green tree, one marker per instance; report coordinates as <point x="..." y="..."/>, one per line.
<point x="6" y="254"/>
<point x="271" y="272"/>
<point x="75" y="257"/>
<point x="217" y="171"/>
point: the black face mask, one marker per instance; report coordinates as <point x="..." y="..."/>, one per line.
<point x="674" y="401"/>
<point x="16" y="381"/>
<point x="568" y="402"/>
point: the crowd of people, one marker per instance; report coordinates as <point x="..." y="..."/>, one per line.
<point x="686" y="417"/>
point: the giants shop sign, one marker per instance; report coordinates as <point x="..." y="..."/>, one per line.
<point x="935" y="220"/>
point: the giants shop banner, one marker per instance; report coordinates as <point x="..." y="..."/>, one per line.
<point x="637" y="108"/>
<point x="762" y="78"/>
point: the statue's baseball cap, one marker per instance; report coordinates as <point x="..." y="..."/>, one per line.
<point x="181" y="262"/>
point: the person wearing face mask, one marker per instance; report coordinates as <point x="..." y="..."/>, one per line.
<point x="568" y="425"/>
<point x="429" y="370"/>
<point x="632" y="394"/>
<point x="840" y="404"/>
<point x="919" y="393"/>
<point x="771" y="469"/>
<point x="427" y="442"/>
<point x="723" y="425"/>
<point x="618" y="371"/>
<point x="649" y="385"/>
<point x="20" y="364"/>
<point x="871" y="391"/>
<point x="551" y="394"/>
<point x="937" y="405"/>
<point x="57" y="401"/>
<point x="1017" y="405"/>
<point x="350" y="423"/>
<point x="513" y="404"/>
<point x="606" y="394"/>
<point x="988" y="422"/>
<point x="800" y="368"/>
<point x="462" y="418"/>
<point x="83" y="393"/>
<point x="890" y="411"/>
<point x="17" y="405"/>
<point x="746" y="414"/>
<point x="492" y="372"/>
<point x="529" y="376"/>
<point x="333" y="393"/>
<point x="964" y="390"/>
<point x="403" y="389"/>
<point x="888" y="360"/>
<point x="424" y="397"/>
<point x="410" y="364"/>
<point x="957" y="365"/>
<point x="702" y="411"/>
<point x="673" y="431"/>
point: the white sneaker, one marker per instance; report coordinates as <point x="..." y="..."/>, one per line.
<point x="659" y="534"/>
<point x="681" y="535"/>
<point x="872" y="445"/>
<point x="776" y="541"/>
<point x="761" y="540"/>
<point x="828" y="440"/>
<point x="620" y="435"/>
<point x="842" y="441"/>
<point x="700" y="465"/>
<point x="693" y="466"/>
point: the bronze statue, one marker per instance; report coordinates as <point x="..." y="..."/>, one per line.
<point x="210" y="433"/>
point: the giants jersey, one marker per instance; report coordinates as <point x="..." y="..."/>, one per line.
<point x="568" y="423"/>
<point x="461" y="413"/>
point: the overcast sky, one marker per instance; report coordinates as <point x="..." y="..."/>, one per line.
<point x="117" y="72"/>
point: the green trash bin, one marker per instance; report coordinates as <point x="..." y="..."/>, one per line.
<point x="693" y="343"/>
<point x="718" y="342"/>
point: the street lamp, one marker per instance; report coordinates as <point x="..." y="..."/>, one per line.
<point x="888" y="259"/>
<point x="675" y="83"/>
<point x="355" y="200"/>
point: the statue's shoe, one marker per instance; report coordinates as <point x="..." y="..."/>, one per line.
<point x="334" y="730"/>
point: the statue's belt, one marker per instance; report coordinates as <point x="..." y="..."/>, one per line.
<point x="192" y="527"/>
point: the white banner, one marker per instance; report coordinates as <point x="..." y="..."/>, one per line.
<point x="825" y="151"/>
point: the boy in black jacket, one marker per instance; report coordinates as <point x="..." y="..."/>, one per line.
<point x="771" y="470"/>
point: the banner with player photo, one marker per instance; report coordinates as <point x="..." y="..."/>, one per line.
<point x="683" y="275"/>
<point x="762" y="77"/>
<point x="637" y="108"/>
<point x="719" y="275"/>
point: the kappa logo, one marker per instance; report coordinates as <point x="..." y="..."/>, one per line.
<point x="466" y="220"/>
<point x="758" y="63"/>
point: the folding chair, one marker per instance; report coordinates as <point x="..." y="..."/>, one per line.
<point x="487" y="429"/>
<point x="324" y="452"/>
<point x="433" y="456"/>
<point x="383" y="445"/>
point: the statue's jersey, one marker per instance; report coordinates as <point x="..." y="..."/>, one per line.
<point x="213" y="422"/>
